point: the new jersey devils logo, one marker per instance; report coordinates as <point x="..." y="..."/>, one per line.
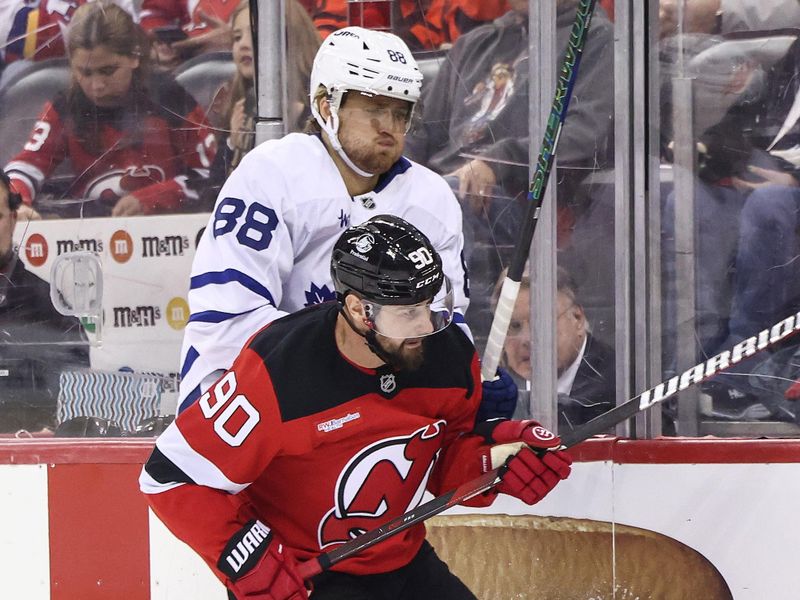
<point x="382" y="481"/>
<point x="113" y="185"/>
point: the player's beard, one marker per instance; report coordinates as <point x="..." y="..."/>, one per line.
<point x="401" y="357"/>
<point x="370" y="156"/>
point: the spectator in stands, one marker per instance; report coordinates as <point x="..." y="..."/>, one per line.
<point x="585" y="365"/>
<point x="726" y="16"/>
<point x="474" y="131"/>
<point x="180" y="29"/>
<point x="426" y="25"/>
<point x="136" y="145"/>
<point x="36" y="342"/>
<point x="747" y="215"/>
<point x="33" y="30"/>
<point x="456" y="121"/>
<point x="233" y="109"/>
<point x="746" y="202"/>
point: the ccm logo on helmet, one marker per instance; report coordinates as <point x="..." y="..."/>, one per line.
<point x="427" y="281"/>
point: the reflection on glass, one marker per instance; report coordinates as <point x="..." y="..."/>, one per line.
<point x="740" y="199"/>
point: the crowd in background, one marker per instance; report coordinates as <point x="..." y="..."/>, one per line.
<point x="123" y="137"/>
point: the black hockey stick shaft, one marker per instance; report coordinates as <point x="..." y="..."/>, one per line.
<point x="538" y="186"/>
<point x="421" y="513"/>
<point x="691" y="376"/>
<point x="713" y="366"/>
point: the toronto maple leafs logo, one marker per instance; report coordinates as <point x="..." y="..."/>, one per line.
<point x="317" y="295"/>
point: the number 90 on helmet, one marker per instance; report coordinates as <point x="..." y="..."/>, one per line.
<point x="396" y="273"/>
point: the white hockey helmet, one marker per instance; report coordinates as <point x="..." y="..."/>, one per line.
<point x="371" y="62"/>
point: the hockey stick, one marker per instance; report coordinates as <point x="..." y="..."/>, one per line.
<point x="544" y="163"/>
<point x="691" y="376"/>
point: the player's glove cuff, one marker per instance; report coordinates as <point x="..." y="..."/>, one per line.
<point x="260" y="566"/>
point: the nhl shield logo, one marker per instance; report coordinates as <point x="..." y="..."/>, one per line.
<point x="388" y="383"/>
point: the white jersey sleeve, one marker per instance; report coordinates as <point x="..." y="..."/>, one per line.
<point x="236" y="282"/>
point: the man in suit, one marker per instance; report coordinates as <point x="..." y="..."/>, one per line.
<point x="585" y="365"/>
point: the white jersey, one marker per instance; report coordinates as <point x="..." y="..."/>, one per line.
<point x="267" y="248"/>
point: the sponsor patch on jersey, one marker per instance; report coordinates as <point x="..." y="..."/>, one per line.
<point x="368" y="202"/>
<point x="338" y="422"/>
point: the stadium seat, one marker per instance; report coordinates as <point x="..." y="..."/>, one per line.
<point x="203" y="75"/>
<point x="429" y="64"/>
<point x="22" y="99"/>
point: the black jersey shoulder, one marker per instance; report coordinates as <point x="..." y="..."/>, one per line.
<point x="309" y="375"/>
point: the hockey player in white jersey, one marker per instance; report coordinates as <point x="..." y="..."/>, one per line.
<point x="265" y="252"/>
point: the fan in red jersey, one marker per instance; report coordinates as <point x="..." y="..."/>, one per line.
<point x="35" y="29"/>
<point x="336" y="419"/>
<point x="135" y="144"/>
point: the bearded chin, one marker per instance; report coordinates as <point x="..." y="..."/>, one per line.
<point x="405" y="359"/>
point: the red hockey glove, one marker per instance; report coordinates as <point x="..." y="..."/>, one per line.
<point x="526" y="474"/>
<point x="530" y="477"/>
<point x="793" y="393"/>
<point x="260" y="567"/>
<point x="530" y="432"/>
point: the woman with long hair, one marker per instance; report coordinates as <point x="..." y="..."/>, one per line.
<point x="233" y="110"/>
<point x="136" y="143"/>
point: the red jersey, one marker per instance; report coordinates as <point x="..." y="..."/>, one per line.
<point x="427" y="24"/>
<point x="317" y="448"/>
<point x="188" y="14"/>
<point x="37" y="29"/>
<point x="158" y="148"/>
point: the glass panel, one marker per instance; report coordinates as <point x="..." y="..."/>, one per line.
<point x="475" y="100"/>
<point x="729" y="221"/>
<point x="108" y="138"/>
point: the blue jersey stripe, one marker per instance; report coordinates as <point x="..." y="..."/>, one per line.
<point x="190" y="399"/>
<point x="228" y="276"/>
<point x="191" y="356"/>
<point x="215" y="316"/>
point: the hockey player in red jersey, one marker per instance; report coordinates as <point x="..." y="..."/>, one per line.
<point x="136" y="145"/>
<point x="336" y="419"/>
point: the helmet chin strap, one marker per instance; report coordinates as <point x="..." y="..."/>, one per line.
<point x="331" y="127"/>
<point x="371" y="338"/>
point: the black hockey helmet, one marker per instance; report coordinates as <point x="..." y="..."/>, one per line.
<point x="386" y="261"/>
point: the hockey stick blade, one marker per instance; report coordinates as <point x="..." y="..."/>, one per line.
<point x="700" y="372"/>
<point x="544" y="164"/>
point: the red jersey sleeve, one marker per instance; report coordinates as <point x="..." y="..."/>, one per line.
<point x="195" y="146"/>
<point x="161" y="13"/>
<point x="213" y="450"/>
<point x="460" y="459"/>
<point x="41" y="154"/>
